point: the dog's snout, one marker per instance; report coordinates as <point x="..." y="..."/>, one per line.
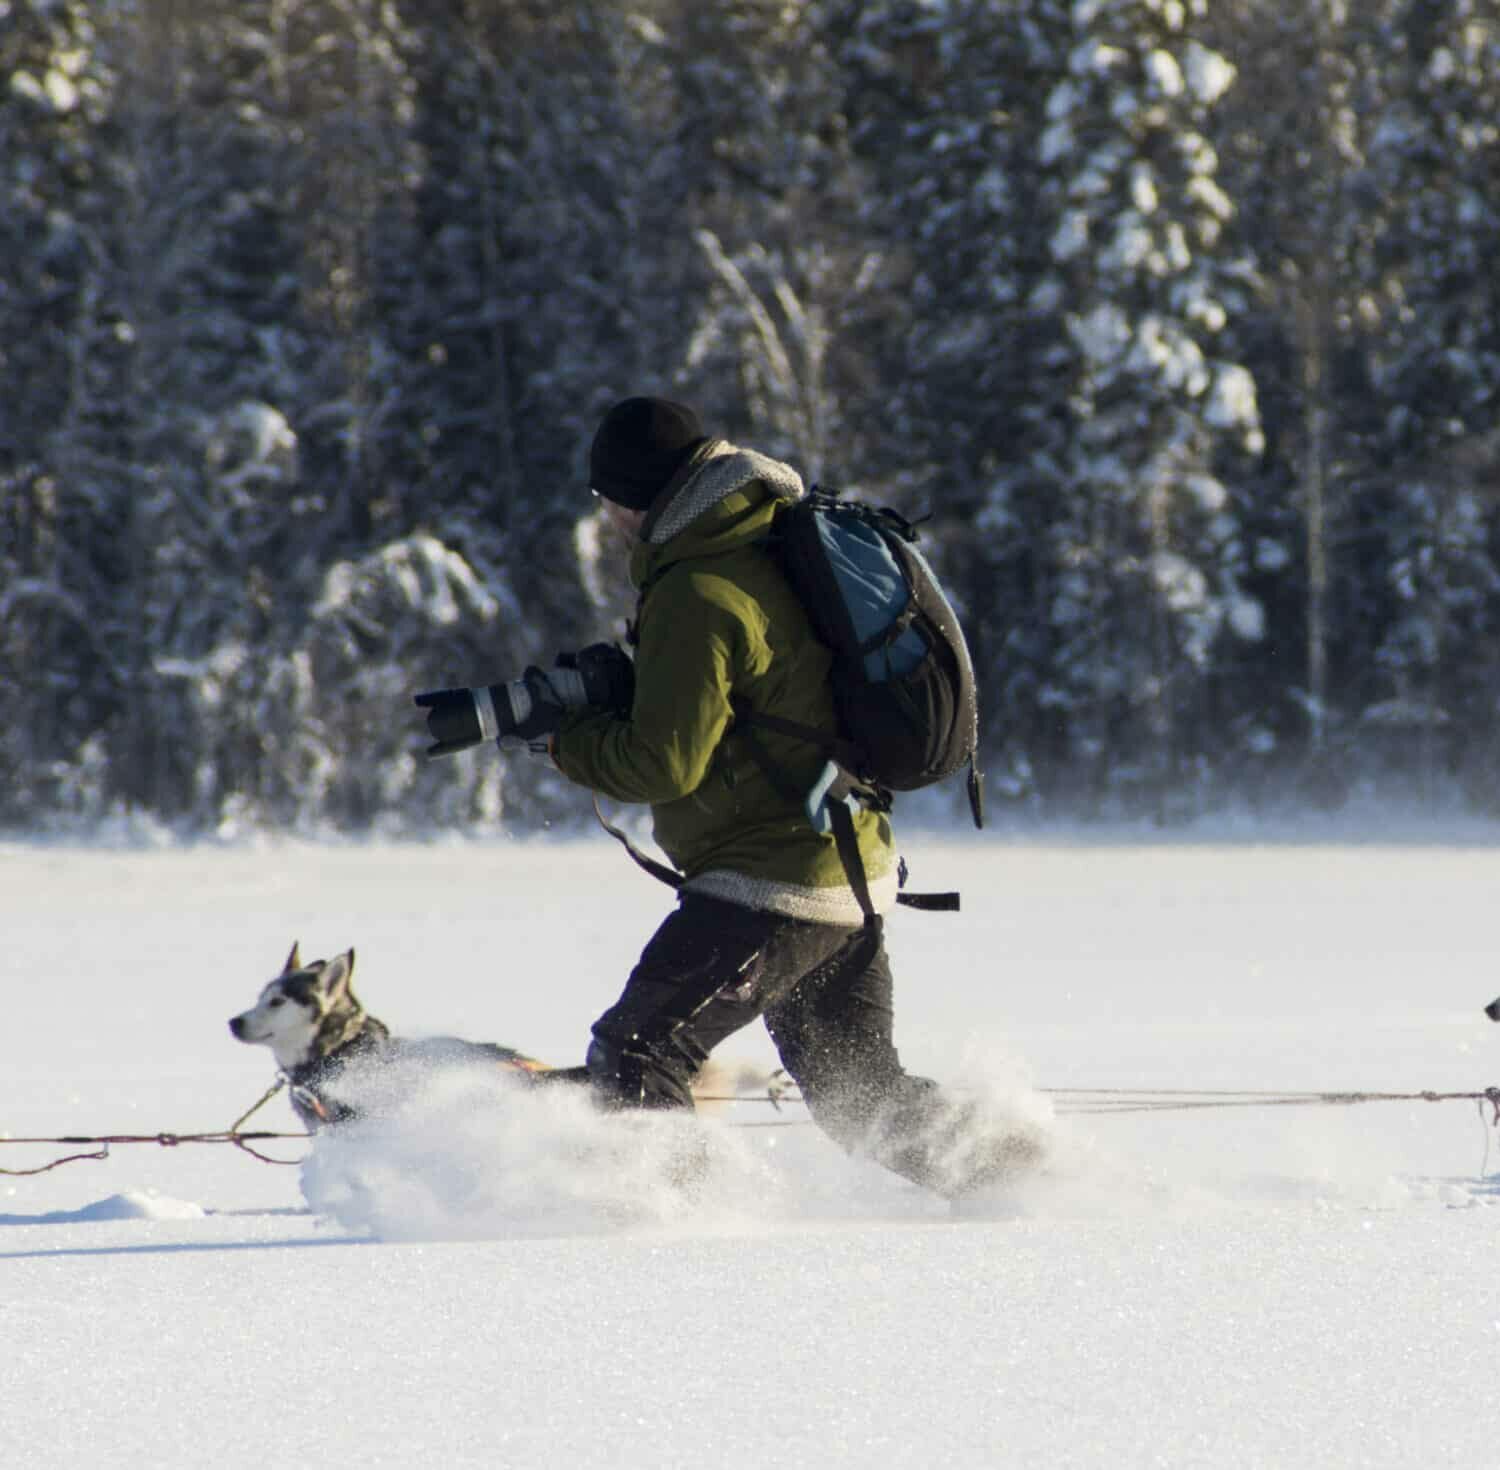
<point x="237" y="1027"/>
<point x="1492" y="1010"/>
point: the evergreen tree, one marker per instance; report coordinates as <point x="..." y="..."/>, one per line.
<point x="1292" y="150"/>
<point x="790" y="299"/>
<point x="61" y="515"/>
<point x="1149" y="595"/>
<point x="945" y="105"/>
<point x="1433" y="296"/>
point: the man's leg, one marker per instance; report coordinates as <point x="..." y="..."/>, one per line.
<point x="833" y="1031"/>
<point x="710" y="969"/>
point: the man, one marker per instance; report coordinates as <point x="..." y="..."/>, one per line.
<point x="766" y="922"/>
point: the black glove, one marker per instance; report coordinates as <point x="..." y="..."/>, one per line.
<point x="454" y="720"/>
<point x="608" y="675"/>
<point x="600" y="676"/>
<point x="547" y="707"/>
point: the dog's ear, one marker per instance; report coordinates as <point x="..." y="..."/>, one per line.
<point x="293" y="960"/>
<point x="337" y="973"/>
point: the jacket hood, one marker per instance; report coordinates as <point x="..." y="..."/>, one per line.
<point x="723" y="498"/>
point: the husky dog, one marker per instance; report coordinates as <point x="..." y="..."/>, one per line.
<point x="316" y="1028"/>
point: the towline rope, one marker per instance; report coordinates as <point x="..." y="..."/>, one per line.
<point x="232" y="1134"/>
<point x="1075" y="1100"/>
<point x="1071" y="1101"/>
<point x="1084" y="1100"/>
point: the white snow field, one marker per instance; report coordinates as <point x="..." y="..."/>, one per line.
<point x="493" y="1278"/>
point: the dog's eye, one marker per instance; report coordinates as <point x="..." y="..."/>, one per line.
<point x="276" y="1000"/>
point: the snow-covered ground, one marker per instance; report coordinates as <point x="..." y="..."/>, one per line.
<point x="496" y="1280"/>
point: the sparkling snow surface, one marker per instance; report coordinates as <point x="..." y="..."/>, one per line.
<point x="493" y="1279"/>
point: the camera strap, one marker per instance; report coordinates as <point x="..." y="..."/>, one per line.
<point x="660" y="871"/>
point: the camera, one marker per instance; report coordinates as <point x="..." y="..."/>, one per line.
<point x="600" y="676"/>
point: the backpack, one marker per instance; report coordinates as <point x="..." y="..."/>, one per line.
<point x="903" y="682"/>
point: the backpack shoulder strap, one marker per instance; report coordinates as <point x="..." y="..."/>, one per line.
<point x="835" y="747"/>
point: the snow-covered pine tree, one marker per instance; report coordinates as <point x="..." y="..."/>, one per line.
<point x="944" y="104"/>
<point x="786" y="280"/>
<point x="1148" y="601"/>
<point x="1431" y="300"/>
<point x="57" y="571"/>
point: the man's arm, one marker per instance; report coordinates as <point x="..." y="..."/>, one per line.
<point x="684" y="674"/>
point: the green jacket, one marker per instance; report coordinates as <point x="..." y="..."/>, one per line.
<point x="719" y="624"/>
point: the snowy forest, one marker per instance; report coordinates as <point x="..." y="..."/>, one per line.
<point x="1178" y="319"/>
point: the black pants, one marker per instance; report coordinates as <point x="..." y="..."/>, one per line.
<point x="825" y="993"/>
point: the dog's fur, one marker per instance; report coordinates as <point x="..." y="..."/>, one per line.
<point x="316" y="1028"/>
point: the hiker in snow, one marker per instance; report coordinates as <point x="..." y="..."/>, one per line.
<point x="768" y="922"/>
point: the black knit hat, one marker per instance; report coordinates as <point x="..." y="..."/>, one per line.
<point x="639" y="445"/>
